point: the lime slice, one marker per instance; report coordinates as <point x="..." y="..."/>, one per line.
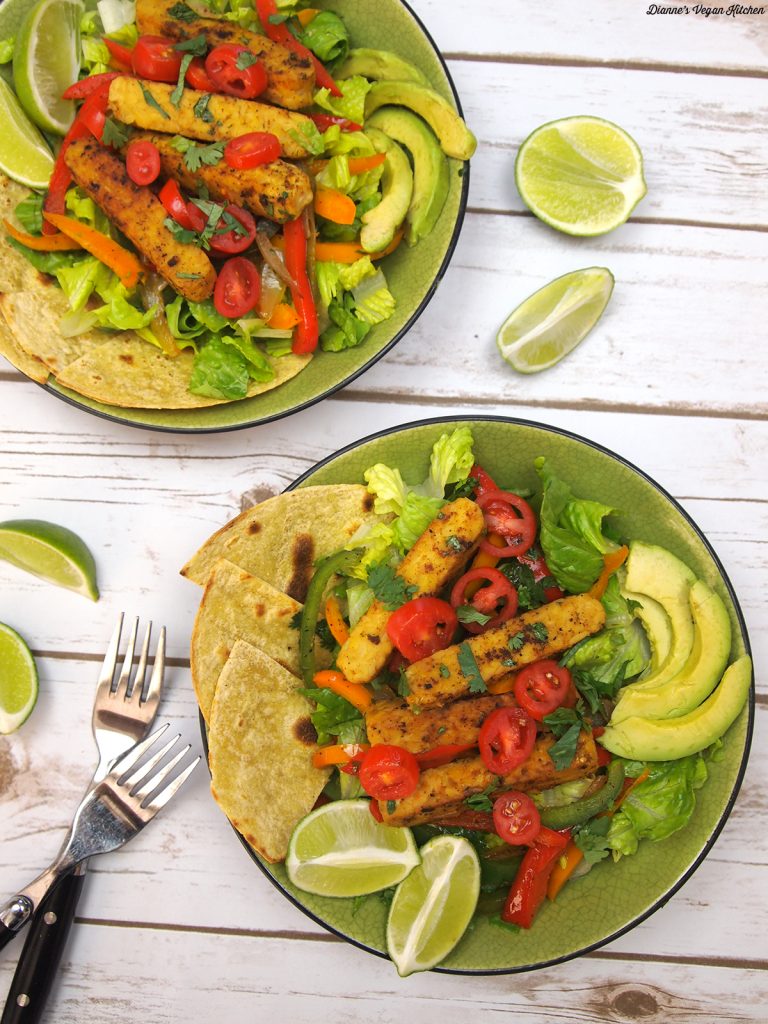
<point x="46" y="61"/>
<point x="340" y="850"/>
<point x="552" y="321"/>
<point x="52" y="552"/>
<point x="18" y="680"/>
<point x="24" y="155"/>
<point x="581" y="175"/>
<point x="434" y="905"/>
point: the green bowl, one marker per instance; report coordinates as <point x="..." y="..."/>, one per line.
<point x="412" y="273"/>
<point x="612" y="898"/>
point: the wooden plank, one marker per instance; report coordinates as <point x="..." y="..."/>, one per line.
<point x="599" y="32"/>
<point x="113" y="975"/>
<point x="703" y="139"/>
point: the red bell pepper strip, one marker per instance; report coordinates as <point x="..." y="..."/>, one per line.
<point x="120" y="54"/>
<point x="281" y="34"/>
<point x="86" y="86"/>
<point x="530" y="885"/>
<point x="443" y="754"/>
<point x="307" y="331"/>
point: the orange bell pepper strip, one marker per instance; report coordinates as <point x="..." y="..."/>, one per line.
<point x="504" y="684"/>
<point x="334" y="618"/>
<point x="283" y="318"/>
<point x="335" y="206"/>
<point x="361" y="164"/>
<point x="42" y="243"/>
<point x="307" y="15"/>
<point x="358" y="695"/>
<point x="338" y="753"/>
<point x="611" y="563"/>
<point x="350" y="252"/>
<point x="124" y="263"/>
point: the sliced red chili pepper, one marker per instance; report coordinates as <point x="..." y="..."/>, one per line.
<point x="229" y="69"/>
<point x="530" y="885"/>
<point x="280" y="33"/>
<point x="197" y="76"/>
<point x="518" y="530"/>
<point x="251" y="150"/>
<point x="307" y="330"/>
<point x="443" y="754"/>
<point x="156" y="59"/>
<point x="120" y="54"/>
<point x="237" y="289"/>
<point x="82" y="89"/>
<point x="388" y="772"/>
<point x="422" y="626"/>
<point x="142" y="162"/>
<point x="186" y="214"/>
<point x="235" y="240"/>
<point x="498" y="599"/>
<point x="506" y="739"/>
<point x="516" y="818"/>
<point x="484" y="481"/>
<point x="542" y="687"/>
<point x="324" y="121"/>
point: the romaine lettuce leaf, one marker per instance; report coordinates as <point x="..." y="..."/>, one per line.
<point x="259" y="367"/>
<point x="351" y="104"/>
<point x="617" y="653"/>
<point x="326" y="36"/>
<point x="29" y="213"/>
<point x="219" y="371"/>
<point x="451" y="461"/>
<point x="374" y="302"/>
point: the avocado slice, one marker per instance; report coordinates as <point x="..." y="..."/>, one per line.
<point x="659" y="574"/>
<point x="379" y="65"/>
<point x="700" y="674"/>
<point x="657" y="626"/>
<point x="430" y="166"/>
<point x="647" y="739"/>
<point x="381" y="223"/>
<point x="455" y="138"/>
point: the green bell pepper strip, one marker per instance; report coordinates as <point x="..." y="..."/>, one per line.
<point x="558" y="818"/>
<point x="330" y="566"/>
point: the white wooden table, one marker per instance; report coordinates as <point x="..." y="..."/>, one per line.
<point x="180" y="925"/>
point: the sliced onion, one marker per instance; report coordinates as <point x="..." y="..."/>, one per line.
<point x="151" y="294"/>
<point x="272" y="291"/>
<point x="274" y="259"/>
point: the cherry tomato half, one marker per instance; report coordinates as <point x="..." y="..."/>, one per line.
<point x="120" y="54"/>
<point x="484" y="481"/>
<point x="229" y="69"/>
<point x="324" y="121"/>
<point x="142" y="161"/>
<point x="388" y="772"/>
<point x="235" y="239"/>
<point x="238" y="288"/>
<point x="197" y="76"/>
<point x="156" y="58"/>
<point x="498" y="599"/>
<point x="506" y="739"/>
<point x="252" y="149"/>
<point x="186" y="214"/>
<point x="422" y="626"/>
<point x="519" y="530"/>
<point x="542" y="687"/>
<point x="516" y="818"/>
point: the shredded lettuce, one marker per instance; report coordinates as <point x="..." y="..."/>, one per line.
<point x="29" y="213"/>
<point x="346" y="330"/>
<point x="219" y="371"/>
<point x="351" y="104"/>
<point x="326" y="36"/>
<point x="119" y="314"/>
<point x="618" y="652"/>
<point x="116" y="14"/>
<point x="374" y="302"/>
<point x="259" y="367"/>
<point x="359" y="600"/>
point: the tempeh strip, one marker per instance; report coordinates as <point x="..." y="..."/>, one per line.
<point x="392" y="721"/>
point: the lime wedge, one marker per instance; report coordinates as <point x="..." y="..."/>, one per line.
<point x="550" y="323"/>
<point x="581" y="175"/>
<point x="18" y="680"/>
<point x="52" y="552"/>
<point x="24" y="155"/>
<point x="46" y="61"/>
<point x="433" y="906"/>
<point x="340" y="850"/>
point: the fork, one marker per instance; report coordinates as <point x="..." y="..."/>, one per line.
<point x="111" y="812"/>
<point x="123" y="712"/>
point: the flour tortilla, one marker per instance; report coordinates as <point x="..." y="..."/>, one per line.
<point x="239" y="606"/>
<point x="16" y="356"/>
<point x="280" y="539"/>
<point x="260" y="747"/>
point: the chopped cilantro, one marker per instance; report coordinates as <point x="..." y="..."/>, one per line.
<point x="201" y="110"/>
<point x="182" y="12"/>
<point x="468" y="613"/>
<point x="530" y="591"/>
<point x="516" y="642"/>
<point x="114" y="134"/>
<point x="539" y="632"/>
<point x="296" y="620"/>
<point x="183" y="235"/>
<point x="442" y="729"/>
<point x="195" y="155"/>
<point x="445" y="671"/>
<point x="592" y="839"/>
<point x="388" y="587"/>
<point x="465" y="489"/>
<point x="455" y="544"/>
<point x="402" y="685"/>
<point x="391" y="806"/>
<point x="482" y="801"/>
<point x="594" y="690"/>
<point x="335" y="717"/>
<point x="197" y="45"/>
<point x="178" y="92"/>
<point x="566" y="724"/>
<point x="150" y="100"/>
<point x="470" y="670"/>
<point x="324" y="635"/>
<point x="245" y="59"/>
<point x="508" y="662"/>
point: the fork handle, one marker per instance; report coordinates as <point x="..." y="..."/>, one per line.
<point x="13" y="916"/>
<point x="42" y="952"/>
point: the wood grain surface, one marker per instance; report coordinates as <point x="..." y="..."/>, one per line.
<point x="180" y="926"/>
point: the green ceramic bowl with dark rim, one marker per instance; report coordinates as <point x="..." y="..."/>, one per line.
<point x="412" y="273"/>
<point x="612" y="898"/>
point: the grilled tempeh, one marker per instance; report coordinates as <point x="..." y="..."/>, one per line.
<point x="201" y="115"/>
<point x="291" y="78"/>
<point x="521" y="640"/>
<point x="278" y="191"/>
<point x="392" y="721"/>
<point x="139" y="214"/>
<point x="441" y="792"/>
<point x="437" y="558"/>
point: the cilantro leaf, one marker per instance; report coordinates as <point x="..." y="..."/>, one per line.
<point x="183" y="235"/>
<point x="468" y="613"/>
<point x="177" y="93"/>
<point x="245" y="59"/>
<point x="592" y="839"/>
<point x="482" y="801"/>
<point x="197" y="45"/>
<point x="334" y="717"/>
<point x="566" y="724"/>
<point x="182" y="12"/>
<point x="388" y="587"/>
<point x="445" y="671"/>
<point x="594" y="690"/>
<point x="150" y="100"/>
<point x="296" y="620"/>
<point x="539" y="632"/>
<point x="470" y="670"/>
<point x="114" y="134"/>
<point x="516" y="642"/>
<point x="324" y="635"/>
<point x="201" y="110"/>
<point x="402" y="684"/>
<point x="196" y="155"/>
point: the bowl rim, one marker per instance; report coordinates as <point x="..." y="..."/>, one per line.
<point x="106" y="413"/>
<point x="718" y="826"/>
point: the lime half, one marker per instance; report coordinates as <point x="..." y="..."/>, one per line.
<point x="46" y="61"/>
<point x="552" y="321"/>
<point x="340" y="850"/>
<point x="18" y="680"/>
<point x="24" y="155"/>
<point x="52" y="552"/>
<point x="433" y="906"/>
<point x="581" y="175"/>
